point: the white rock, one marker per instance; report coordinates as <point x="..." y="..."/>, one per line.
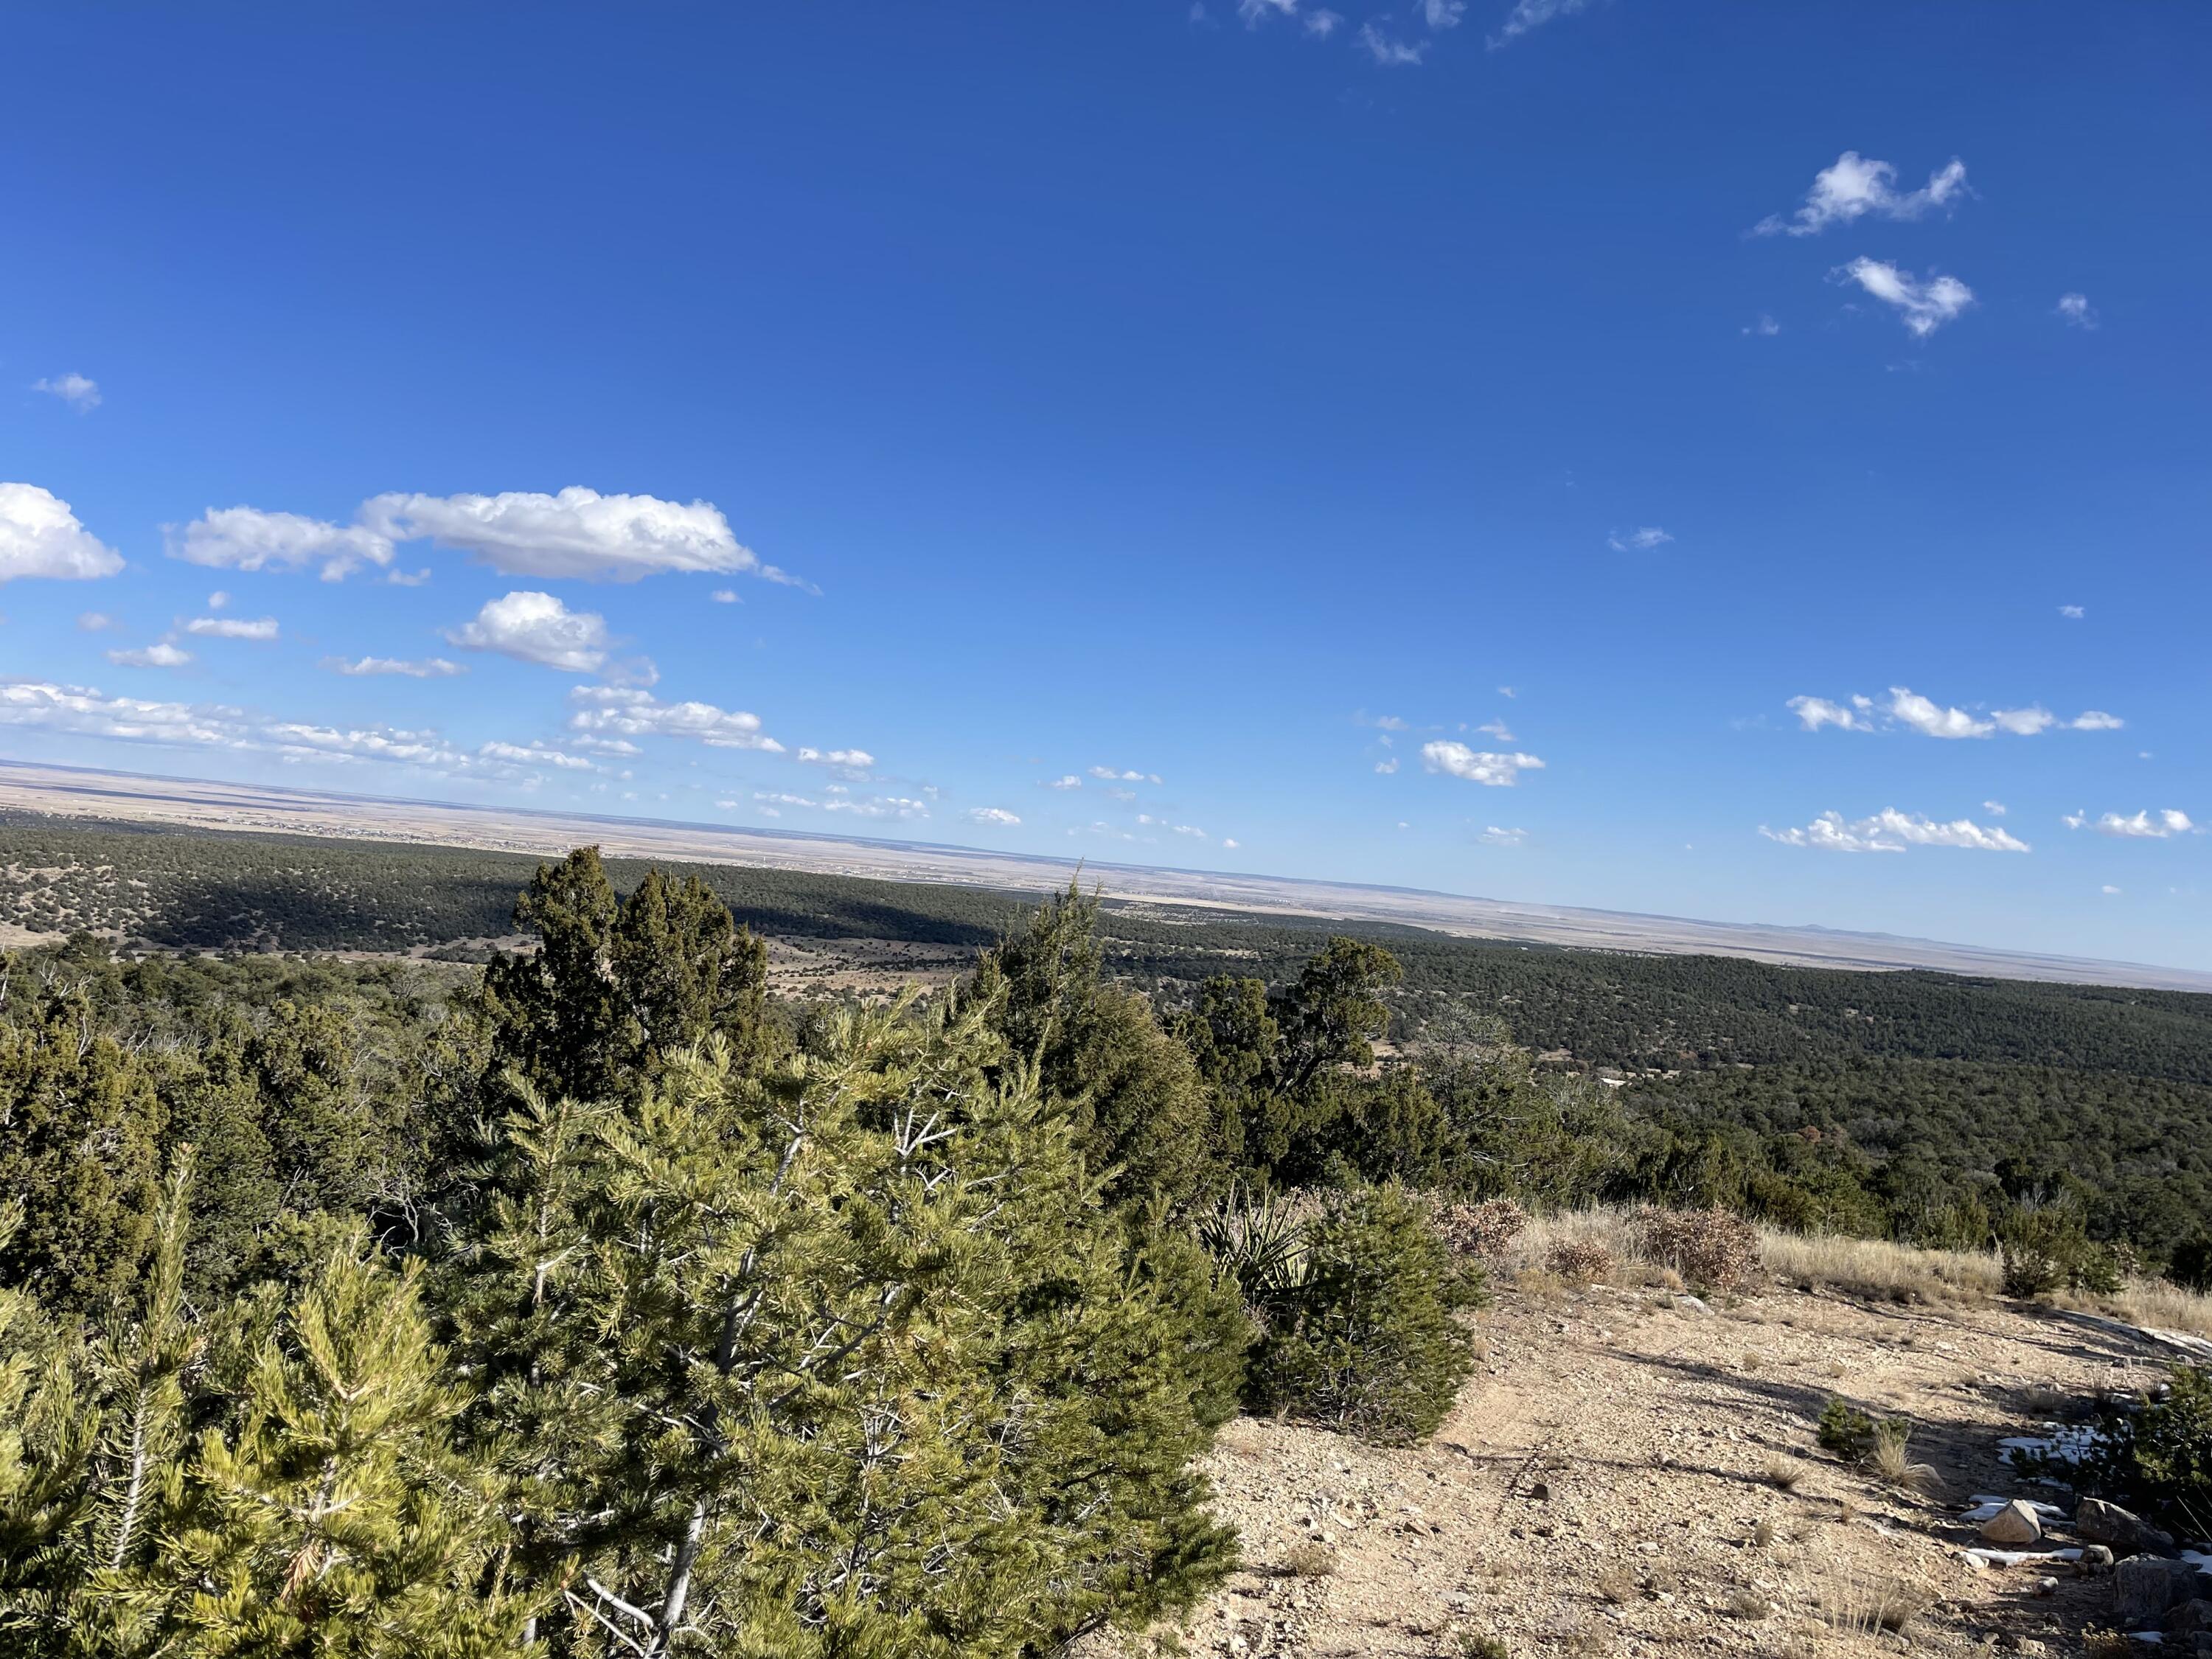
<point x="2016" y="1523"/>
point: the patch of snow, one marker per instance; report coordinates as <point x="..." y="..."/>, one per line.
<point x="2018" y="1558"/>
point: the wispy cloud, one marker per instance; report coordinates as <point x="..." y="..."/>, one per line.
<point x="428" y="668"/>
<point x="2072" y="612"/>
<point x="1386" y="767"/>
<point x="159" y="655"/>
<point x="1390" y="51"/>
<point x="1813" y="713"/>
<point x="1530" y="14"/>
<point x="993" y="815"/>
<point x="1478" y="766"/>
<point x="93" y="622"/>
<point x="1924" y="307"/>
<point x="1496" y="836"/>
<point x="2139" y="826"/>
<point x="1638" y="541"/>
<point x="79" y="392"/>
<point x="1069" y="781"/>
<point x="1123" y="775"/>
<point x="1765" y="327"/>
<point x="233" y="627"/>
<point x="1891" y="831"/>
<point x="2076" y="309"/>
<point x="1857" y="187"/>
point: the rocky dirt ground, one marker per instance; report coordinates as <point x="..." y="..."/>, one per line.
<point x="1608" y="1484"/>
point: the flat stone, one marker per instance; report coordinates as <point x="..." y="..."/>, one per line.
<point x="2098" y="1522"/>
<point x="2145" y="1587"/>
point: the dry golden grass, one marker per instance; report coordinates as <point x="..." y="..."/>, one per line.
<point x="1867" y="1604"/>
<point x="1309" y="1561"/>
<point x="1783" y="1473"/>
<point x="1891" y="1461"/>
<point x="1875" y="1269"/>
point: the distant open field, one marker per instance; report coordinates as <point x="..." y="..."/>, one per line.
<point x="128" y="798"/>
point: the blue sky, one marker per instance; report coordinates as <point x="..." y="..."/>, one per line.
<point x="1486" y="447"/>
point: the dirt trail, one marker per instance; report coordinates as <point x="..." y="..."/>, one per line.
<point x="1603" y="1487"/>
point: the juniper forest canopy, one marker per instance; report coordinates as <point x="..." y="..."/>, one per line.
<point x="593" y="1299"/>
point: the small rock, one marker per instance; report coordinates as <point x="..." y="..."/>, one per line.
<point x="2016" y="1523"/>
<point x="2095" y="1558"/>
<point x="2046" y="1587"/>
<point x="2098" y="1522"/>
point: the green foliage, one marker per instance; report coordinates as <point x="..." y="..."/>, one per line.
<point x="2044" y="1248"/>
<point x="1363" y="1337"/>
<point x="1845" y="1431"/>
<point x="2157" y="1460"/>
<point x="2192" y="1265"/>
<point x="1142" y="1117"/>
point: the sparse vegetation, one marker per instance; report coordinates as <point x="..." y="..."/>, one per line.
<point x="1868" y="1604"/>
<point x="1309" y="1560"/>
<point x="1712" y="1250"/>
<point x="1783" y="1473"/>
<point x="1580" y="1261"/>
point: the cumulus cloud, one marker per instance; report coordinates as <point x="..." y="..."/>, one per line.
<point x="991" y="815"/>
<point x="427" y="668"/>
<point x="233" y="627"/>
<point x="2076" y="309"/>
<point x="618" y="711"/>
<point x="535" y="754"/>
<point x="79" y="392"/>
<point x="1923" y="306"/>
<point x="2140" y="826"/>
<point x="1995" y="807"/>
<point x="93" y="622"/>
<point x="1528" y="15"/>
<point x="1766" y="328"/>
<point x="1388" y="51"/>
<point x="1911" y="710"/>
<point x="1638" y="541"/>
<point x="248" y="538"/>
<point x="1813" y="713"/>
<point x="726" y="595"/>
<point x="1111" y="775"/>
<point x="1230" y="843"/>
<point x="1496" y="836"/>
<point x="532" y="626"/>
<point x="1069" y="781"/>
<point x="1478" y="766"/>
<point x="1386" y="767"/>
<point x="1857" y="187"/>
<point x="159" y="655"/>
<point x="39" y="536"/>
<point x="1891" y="831"/>
<point x="577" y="533"/>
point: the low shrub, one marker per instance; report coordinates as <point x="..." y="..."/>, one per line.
<point x="1712" y="1250"/>
<point x="2157" y="1461"/>
<point x="1580" y="1261"/>
<point x="1484" y="1229"/>
<point x="1845" y="1431"/>
<point x="1365" y="1339"/>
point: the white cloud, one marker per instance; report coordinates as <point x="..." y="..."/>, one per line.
<point x="1813" y="713"/>
<point x="233" y="627"/>
<point x="1892" y="831"/>
<point x="1252" y="11"/>
<point x="1932" y="720"/>
<point x="1230" y="843"/>
<point x="991" y="815"/>
<point x="2072" y="612"/>
<point x="247" y="538"/>
<point x="1389" y="723"/>
<point x="1443" y="14"/>
<point x="218" y="600"/>
<point x="1323" y="22"/>
<point x="429" y="668"/>
<point x="40" y="537"/>
<point x="537" y="627"/>
<point x="1112" y="776"/>
<point x="2109" y="891"/>
<point x="79" y="393"/>
<point x="1497" y="729"/>
<point x="1995" y="807"/>
<point x="535" y="754"/>
<point x="94" y="622"/>
<point x="1909" y="709"/>
<point x="1766" y="328"/>
<point x="578" y="533"/>
<point x="1388" y="51"/>
<point x="1386" y="767"/>
<point x="726" y="595"/>
<point x="2141" y="826"/>
<point x="1495" y="836"/>
<point x="1528" y="14"/>
<point x="878" y="806"/>
<point x="1507" y="691"/>
<point x="626" y="712"/>
<point x="1923" y="307"/>
<point x="848" y="763"/>
<point x="2076" y="309"/>
<point x="1854" y="188"/>
<point x="1191" y="829"/>
<point x="1121" y="794"/>
<point x="159" y="655"/>
<point x="1070" y="781"/>
<point x="1478" y="766"/>
<point x="2075" y="820"/>
<point x="1638" y="541"/>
